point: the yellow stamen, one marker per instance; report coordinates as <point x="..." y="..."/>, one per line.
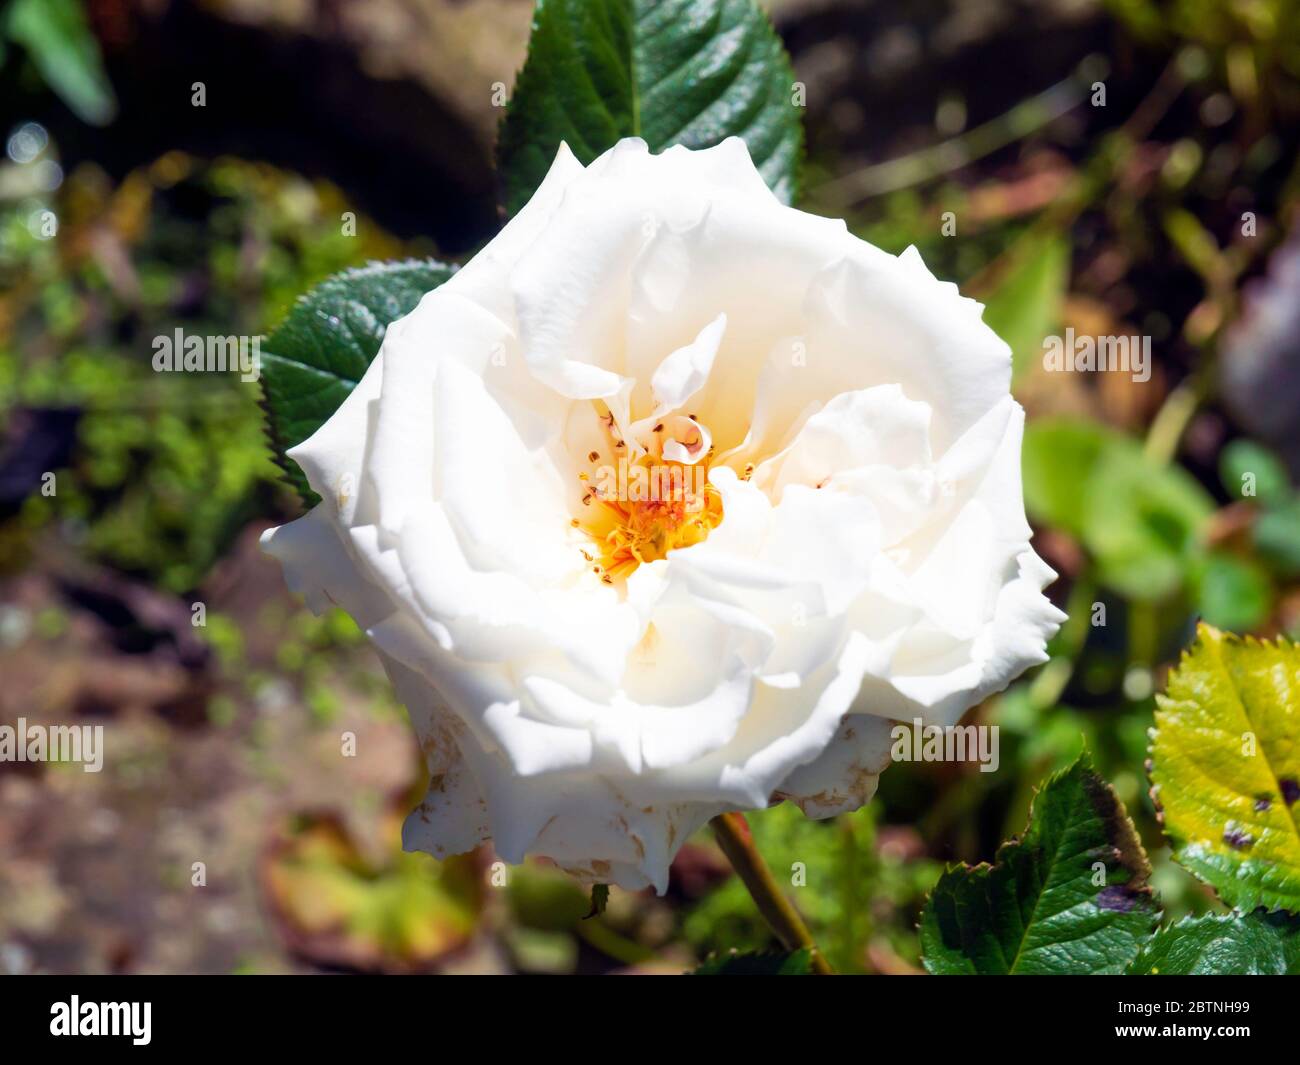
<point x="670" y="505"/>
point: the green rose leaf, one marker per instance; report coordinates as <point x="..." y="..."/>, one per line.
<point x="1071" y="897"/>
<point x="766" y="964"/>
<point x="690" y="72"/>
<point x="1255" y="944"/>
<point x="1225" y="767"/>
<point x="322" y="349"/>
<point x="1141" y="521"/>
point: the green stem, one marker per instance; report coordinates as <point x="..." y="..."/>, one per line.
<point x="1171" y="422"/>
<point x="950" y="155"/>
<point x="777" y="910"/>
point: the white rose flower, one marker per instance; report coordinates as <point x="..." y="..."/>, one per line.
<point x="663" y="506"/>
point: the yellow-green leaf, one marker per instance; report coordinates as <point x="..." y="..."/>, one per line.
<point x="1225" y="767"/>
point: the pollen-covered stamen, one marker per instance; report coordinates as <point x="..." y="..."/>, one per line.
<point x="680" y="438"/>
<point x="648" y="499"/>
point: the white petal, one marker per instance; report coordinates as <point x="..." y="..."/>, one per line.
<point x="319" y="567"/>
<point x="844" y="776"/>
<point x="875" y="427"/>
<point x="682" y="373"/>
<point x="445" y="327"/>
<point x="484" y="278"/>
<point x="872" y="562"/>
<point x="332" y="458"/>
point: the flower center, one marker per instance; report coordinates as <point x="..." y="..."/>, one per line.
<point x="648" y="498"/>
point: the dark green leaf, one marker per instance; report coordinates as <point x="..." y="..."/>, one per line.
<point x="771" y="964"/>
<point x="322" y="349"/>
<point x="1255" y="944"/>
<point x="1071" y="897"/>
<point x="59" y="42"/>
<point x="690" y="72"/>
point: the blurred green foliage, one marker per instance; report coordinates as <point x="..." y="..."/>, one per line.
<point x="1259" y="37"/>
<point x="166" y="468"/>
<point x="55" y="37"/>
<point x="853" y="892"/>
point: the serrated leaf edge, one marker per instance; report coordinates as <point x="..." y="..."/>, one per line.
<point x="983" y="869"/>
<point x="289" y="472"/>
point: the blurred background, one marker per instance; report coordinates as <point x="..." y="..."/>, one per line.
<point x="1116" y="167"/>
